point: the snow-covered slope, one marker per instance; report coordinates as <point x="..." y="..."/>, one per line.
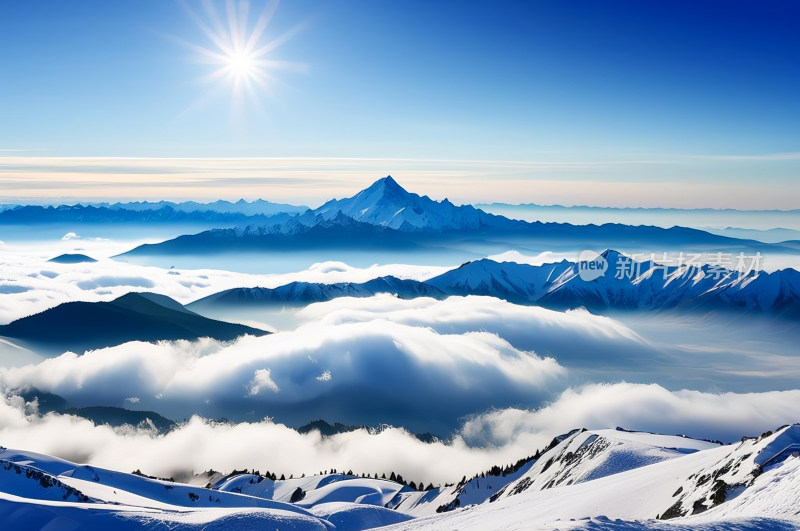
<point x="603" y="479"/>
<point x="28" y="481"/>
<point x="586" y="455"/>
<point x="37" y="491"/>
<point x="507" y="280"/>
<point x="715" y="488"/>
<point x="314" y="490"/>
<point x="573" y="458"/>
<point x="467" y="492"/>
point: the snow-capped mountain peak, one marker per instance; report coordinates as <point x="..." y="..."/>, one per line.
<point x="386" y="203"/>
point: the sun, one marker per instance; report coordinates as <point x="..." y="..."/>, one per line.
<point x="241" y="64"/>
<point x="241" y="54"/>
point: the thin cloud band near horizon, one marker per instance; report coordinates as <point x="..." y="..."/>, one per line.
<point x="313" y="180"/>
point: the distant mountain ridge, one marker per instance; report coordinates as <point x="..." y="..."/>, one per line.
<point x="241" y="212"/>
<point x="308" y="292"/>
<point x="388" y="216"/>
<point x="247" y="208"/>
<point x="650" y="286"/>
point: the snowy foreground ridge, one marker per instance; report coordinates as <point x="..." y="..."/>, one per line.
<point x="605" y="479"/>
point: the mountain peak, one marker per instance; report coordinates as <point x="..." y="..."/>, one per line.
<point x="388" y="186"/>
<point x="388" y="181"/>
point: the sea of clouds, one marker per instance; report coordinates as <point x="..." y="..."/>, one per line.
<point x="495" y="380"/>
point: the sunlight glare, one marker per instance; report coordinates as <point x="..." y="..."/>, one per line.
<point x="239" y="50"/>
<point x="241" y="64"/>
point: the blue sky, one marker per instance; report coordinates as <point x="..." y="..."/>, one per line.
<point x="694" y="97"/>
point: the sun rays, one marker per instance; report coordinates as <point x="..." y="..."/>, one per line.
<point x="239" y="53"/>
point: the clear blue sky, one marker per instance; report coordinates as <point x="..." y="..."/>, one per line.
<point x="658" y="91"/>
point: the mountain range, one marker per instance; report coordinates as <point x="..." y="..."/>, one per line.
<point x="292" y="233"/>
<point x="81" y="326"/>
<point x="386" y="215"/>
<point x="259" y="207"/>
<point x="628" y="284"/>
<point x="162" y="212"/>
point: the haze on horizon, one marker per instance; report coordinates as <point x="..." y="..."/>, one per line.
<point x="631" y="104"/>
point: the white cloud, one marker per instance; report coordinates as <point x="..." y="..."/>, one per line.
<point x="107" y="281"/>
<point x="575" y="335"/>
<point x="546" y="257"/>
<point x="261" y="380"/>
<point x="499" y="437"/>
<point x="70" y="236"/>
<point x="724" y="416"/>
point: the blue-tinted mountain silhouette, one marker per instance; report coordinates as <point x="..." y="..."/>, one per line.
<point x="80" y="326"/>
<point x="72" y="259"/>
<point x="113" y="416"/>
<point x="340" y="232"/>
<point x="302" y="293"/>
<point x="162" y="212"/>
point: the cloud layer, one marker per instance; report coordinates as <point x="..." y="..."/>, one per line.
<point x="499" y="437"/>
<point x="373" y="371"/>
<point x="30" y="284"/>
<point x="421" y="363"/>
